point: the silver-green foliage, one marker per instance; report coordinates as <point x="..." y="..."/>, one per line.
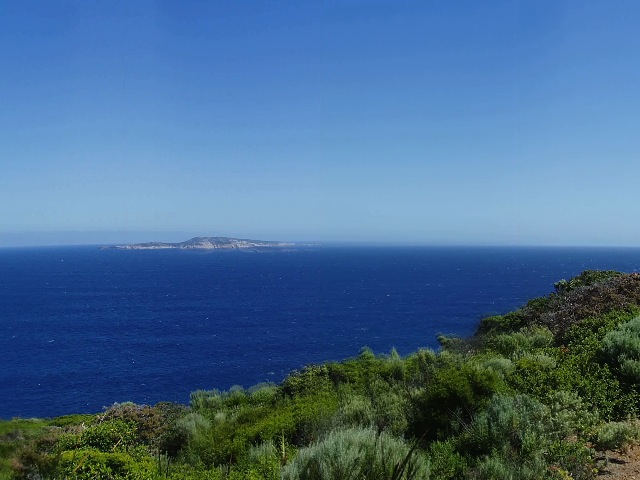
<point x="496" y="467"/>
<point x="520" y="438"/>
<point x="501" y="365"/>
<point x="570" y="414"/>
<point x="358" y="454"/>
<point x="622" y="348"/>
<point x="616" y="435"/>
<point x="355" y="411"/>
<point x="212" y="400"/>
<point x="380" y="407"/>
<point x="263" y="462"/>
<point x="192" y="424"/>
<point x="539" y="361"/>
<point x="509" y="423"/>
<point x="512" y="345"/>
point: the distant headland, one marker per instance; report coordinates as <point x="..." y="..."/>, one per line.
<point x="202" y="243"/>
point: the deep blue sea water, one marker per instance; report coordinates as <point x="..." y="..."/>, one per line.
<point x="82" y="328"/>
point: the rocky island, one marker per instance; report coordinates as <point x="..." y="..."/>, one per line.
<point x="203" y="243"/>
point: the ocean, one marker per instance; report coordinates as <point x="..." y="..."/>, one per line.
<point x="82" y="328"/>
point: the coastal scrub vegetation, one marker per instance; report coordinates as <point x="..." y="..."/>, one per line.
<point x="534" y="394"/>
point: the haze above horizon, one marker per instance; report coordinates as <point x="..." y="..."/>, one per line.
<point x="488" y="123"/>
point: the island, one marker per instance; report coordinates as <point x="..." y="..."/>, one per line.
<point x="203" y="243"/>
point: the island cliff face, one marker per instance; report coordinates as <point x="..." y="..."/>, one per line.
<point x="203" y="243"/>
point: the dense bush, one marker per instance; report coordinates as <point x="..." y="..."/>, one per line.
<point x="576" y="364"/>
<point x="454" y="394"/>
<point x="380" y="407"/>
<point x="616" y="435"/>
<point x="308" y="380"/>
<point x="586" y="278"/>
<point x="446" y="461"/>
<point x="358" y="454"/>
<point x="93" y="464"/>
<point x="513" y="345"/>
<point x="517" y="437"/>
<point x="622" y="349"/>
<point x="154" y="426"/>
<point x="591" y="294"/>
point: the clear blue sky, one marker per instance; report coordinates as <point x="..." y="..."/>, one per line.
<point x="435" y="122"/>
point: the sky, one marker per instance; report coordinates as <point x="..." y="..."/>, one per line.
<point x="409" y="122"/>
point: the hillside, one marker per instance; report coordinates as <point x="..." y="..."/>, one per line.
<point x="547" y="391"/>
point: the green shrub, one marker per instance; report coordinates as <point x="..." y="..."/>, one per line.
<point x="191" y="430"/>
<point x="455" y="393"/>
<point x="616" y="435"/>
<point x="586" y="278"/>
<point x="591" y="295"/>
<point x="419" y="367"/>
<point x="510" y="322"/>
<point x="358" y="454"/>
<point x="214" y="445"/>
<point x="519" y="438"/>
<point x="228" y="433"/>
<point x="569" y="414"/>
<point x="446" y="462"/>
<point x="390" y="407"/>
<point x="16" y="440"/>
<point x="269" y="451"/>
<point x="575" y="366"/>
<point x="503" y="366"/>
<point x="269" y="424"/>
<point x="109" y="436"/>
<point x="622" y="349"/>
<point x="357" y="372"/>
<point x="154" y="426"/>
<point x="189" y="472"/>
<point x="262" y="463"/>
<point x="211" y="400"/>
<point x="263" y="393"/>
<point x="193" y="423"/>
<point x="393" y="367"/>
<point x="498" y="467"/>
<point x="589" y="332"/>
<point x="355" y="411"/>
<point x="300" y="419"/>
<point x="527" y="316"/>
<point x="512" y="345"/>
<point x="72" y="420"/>
<point x="310" y="379"/>
<point x="30" y="462"/>
<point x="451" y="342"/>
<point x="96" y="465"/>
<point x="381" y="407"/>
<point x="570" y="459"/>
<point x="517" y="424"/>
